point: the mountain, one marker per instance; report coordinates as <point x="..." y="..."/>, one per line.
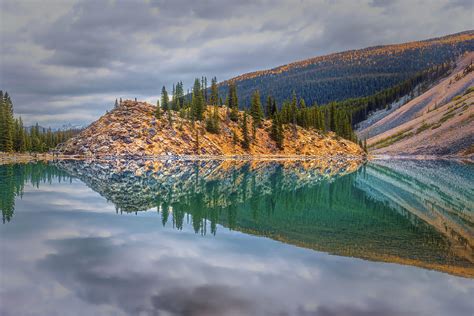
<point x="350" y="74"/>
<point x="132" y="129"/>
<point x="438" y="122"/>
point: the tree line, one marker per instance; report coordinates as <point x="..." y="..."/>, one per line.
<point x="15" y="137"/>
<point x="346" y="75"/>
<point x="338" y="117"/>
<point x="285" y="116"/>
<point x="358" y="109"/>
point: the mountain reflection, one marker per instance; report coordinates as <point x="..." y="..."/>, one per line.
<point x="398" y="212"/>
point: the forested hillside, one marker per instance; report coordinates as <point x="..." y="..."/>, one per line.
<point x="15" y="137"/>
<point x="350" y="74"/>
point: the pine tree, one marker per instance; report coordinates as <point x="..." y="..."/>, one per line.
<point x="165" y="101"/>
<point x="116" y="104"/>
<point x="277" y="131"/>
<point x="7" y="124"/>
<point x="256" y="111"/>
<point x="245" y="133"/>
<point x="332" y="117"/>
<point x="270" y="107"/>
<point x="214" y="92"/>
<point x="233" y="102"/>
<point x="197" y="102"/>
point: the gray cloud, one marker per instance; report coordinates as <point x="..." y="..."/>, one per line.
<point x="67" y="61"/>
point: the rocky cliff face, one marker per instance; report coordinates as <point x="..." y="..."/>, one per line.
<point x="132" y="129"/>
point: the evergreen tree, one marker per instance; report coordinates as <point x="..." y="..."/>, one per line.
<point x="212" y="121"/>
<point x="277" y="133"/>
<point x="214" y="92"/>
<point x="20" y="142"/>
<point x="165" y="101"/>
<point x="332" y="117"/>
<point x="7" y="124"/>
<point x="270" y="107"/>
<point x="197" y="102"/>
<point x="256" y="111"/>
<point x="293" y="109"/>
<point x="233" y="102"/>
<point x="245" y="133"/>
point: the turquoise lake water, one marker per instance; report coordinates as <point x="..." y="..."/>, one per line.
<point x="237" y="238"/>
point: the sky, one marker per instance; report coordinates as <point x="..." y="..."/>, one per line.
<point x="66" y="61"/>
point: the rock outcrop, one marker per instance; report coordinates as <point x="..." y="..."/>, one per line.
<point x="131" y="129"/>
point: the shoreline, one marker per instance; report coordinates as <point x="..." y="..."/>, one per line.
<point x="11" y="158"/>
<point x="7" y="158"/>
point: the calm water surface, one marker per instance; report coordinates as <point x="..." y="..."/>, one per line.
<point x="237" y="238"/>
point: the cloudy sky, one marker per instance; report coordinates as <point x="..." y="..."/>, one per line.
<point x="66" y="61"/>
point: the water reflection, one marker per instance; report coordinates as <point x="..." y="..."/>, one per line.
<point x="14" y="177"/>
<point x="396" y="212"/>
<point x="67" y="252"/>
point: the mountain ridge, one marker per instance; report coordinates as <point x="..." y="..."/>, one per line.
<point x="352" y="73"/>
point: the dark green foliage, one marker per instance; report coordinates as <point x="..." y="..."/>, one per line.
<point x="351" y="74"/>
<point x="14" y="177"/>
<point x="233" y="103"/>
<point x="14" y="137"/>
<point x="197" y="105"/>
<point x="178" y="97"/>
<point x="360" y="108"/>
<point x="7" y="123"/>
<point x="277" y="132"/>
<point x="214" y="92"/>
<point x="165" y="100"/>
<point x="245" y="133"/>
<point x="256" y="111"/>
<point x="270" y="107"/>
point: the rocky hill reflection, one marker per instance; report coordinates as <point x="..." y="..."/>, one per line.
<point x="403" y="212"/>
<point x="308" y="204"/>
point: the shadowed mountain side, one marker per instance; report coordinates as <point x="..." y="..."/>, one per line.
<point x="351" y="74"/>
<point x="310" y="207"/>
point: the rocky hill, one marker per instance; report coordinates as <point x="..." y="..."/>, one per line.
<point x="439" y="122"/>
<point x="351" y="74"/>
<point x="132" y="129"/>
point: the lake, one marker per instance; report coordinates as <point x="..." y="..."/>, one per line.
<point x="237" y="238"/>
